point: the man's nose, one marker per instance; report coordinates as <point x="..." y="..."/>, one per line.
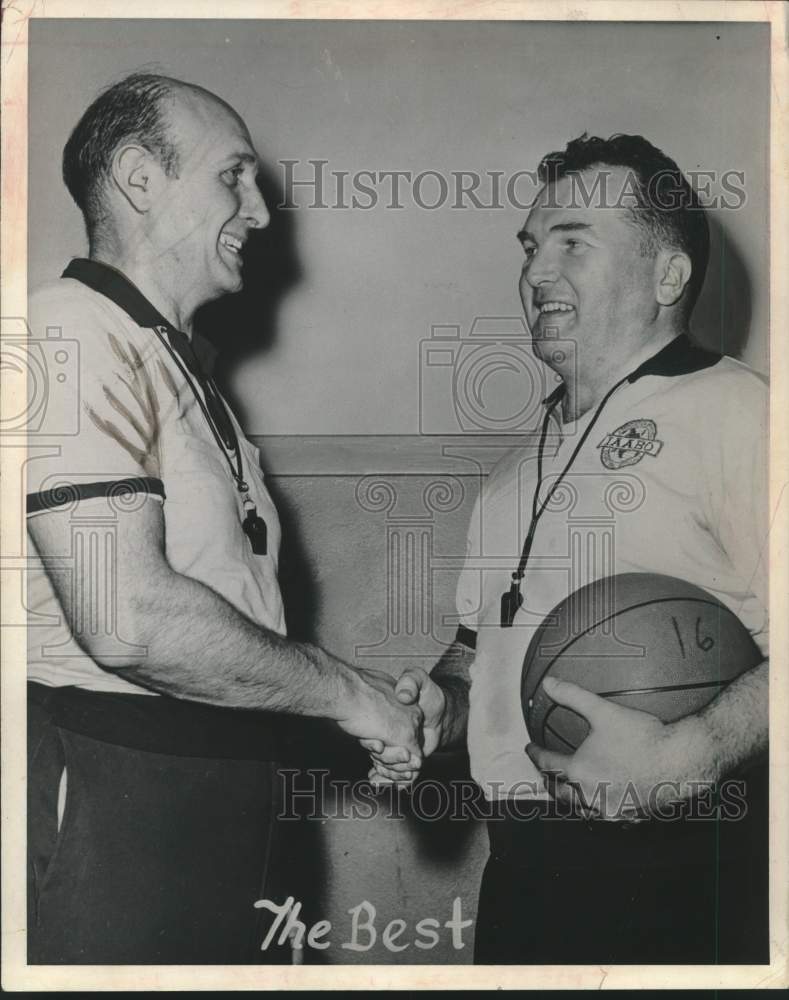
<point x="254" y="208"/>
<point x="541" y="269"/>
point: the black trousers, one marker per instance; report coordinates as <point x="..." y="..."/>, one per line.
<point x="159" y="856"/>
<point x="567" y="891"/>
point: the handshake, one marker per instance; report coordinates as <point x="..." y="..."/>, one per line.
<point x="398" y="722"/>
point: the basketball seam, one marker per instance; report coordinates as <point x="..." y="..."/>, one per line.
<point x="631" y="607"/>
<point x="665" y="687"/>
<point x="558" y="735"/>
<point x="549" y="712"/>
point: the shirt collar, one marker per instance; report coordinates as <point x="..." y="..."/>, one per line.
<point x="109" y="281"/>
<point x="679" y="357"/>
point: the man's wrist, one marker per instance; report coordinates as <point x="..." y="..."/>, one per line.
<point x="343" y="688"/>
<point x="693" y="752"/>
<point x="451" y="724"/>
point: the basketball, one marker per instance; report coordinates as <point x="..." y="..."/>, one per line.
<point x="645" y="641"/>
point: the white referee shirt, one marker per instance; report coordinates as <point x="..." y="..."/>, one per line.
<point x="672" y="479"/>
<point x="122" y="422"/>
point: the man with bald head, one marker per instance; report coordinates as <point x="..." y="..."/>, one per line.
<point x="157" y="650"/>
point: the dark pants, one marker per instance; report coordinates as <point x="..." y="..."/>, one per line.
<point x="160" y="856"/>
<point x="565" y="891"/>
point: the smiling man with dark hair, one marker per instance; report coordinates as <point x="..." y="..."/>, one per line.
<point x="612" y="280"/>
<point x="651" y="187"/>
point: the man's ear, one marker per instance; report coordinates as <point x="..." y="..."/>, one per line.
<point x="672" y="273"/>
<point x="136" y="174"/>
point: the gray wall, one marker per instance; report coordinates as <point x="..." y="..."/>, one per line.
<point x="373" y="559"/>
<point x="333" y="346"/>
<point x="322" y="352"/>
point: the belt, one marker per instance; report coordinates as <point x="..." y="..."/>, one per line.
<point x="163" y="725"/>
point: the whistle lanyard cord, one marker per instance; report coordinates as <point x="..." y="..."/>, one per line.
<point x="537" y="509"/>
<point x="238" y="472"/>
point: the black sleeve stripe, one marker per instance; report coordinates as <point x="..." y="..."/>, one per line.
<point x="69" y="493"/>
<point x="466" y="637"/>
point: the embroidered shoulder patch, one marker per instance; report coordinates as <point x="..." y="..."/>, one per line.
<point x="629" y="443"/>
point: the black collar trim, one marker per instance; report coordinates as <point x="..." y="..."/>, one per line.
<point x="109" y="281"/>
<point x="679" y="357"/>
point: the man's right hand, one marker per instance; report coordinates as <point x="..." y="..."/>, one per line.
<point x="392" y="763"/>
<point x="379" y="715"/>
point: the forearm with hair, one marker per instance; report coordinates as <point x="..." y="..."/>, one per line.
<point x="179" y="637"/>
<point x="201" y="648"/>
<point x="734" y="726"/>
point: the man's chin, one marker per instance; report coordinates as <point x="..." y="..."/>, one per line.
<point x="554" y="353"/>
<point x="220" y="289"/>
<point x="542" y="348"/>
<point x="232" y="282"/>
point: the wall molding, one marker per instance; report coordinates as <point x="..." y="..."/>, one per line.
<point x="385" y="454"/>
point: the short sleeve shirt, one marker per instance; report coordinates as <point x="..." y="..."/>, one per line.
<point x="672" y="479"/>
<point x="122" y="421"/>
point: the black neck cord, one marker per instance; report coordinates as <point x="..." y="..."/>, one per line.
<point x="238" y="472"/>
<point x="513" y="599"/>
